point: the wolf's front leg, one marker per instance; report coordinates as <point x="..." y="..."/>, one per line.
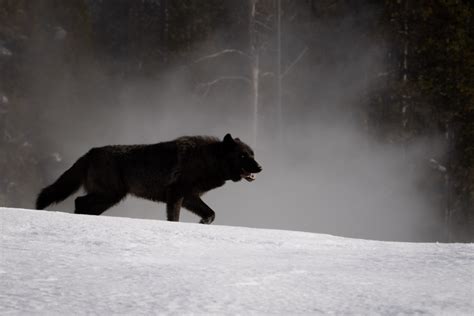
<point x="173" y="206"/>
<point x="198" y="207"/>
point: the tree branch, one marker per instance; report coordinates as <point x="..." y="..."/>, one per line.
<point x="263" y="25"/>
<point x="222" y="52"/>
<point x="205" y="87"/>
<point x="297" y="59"/>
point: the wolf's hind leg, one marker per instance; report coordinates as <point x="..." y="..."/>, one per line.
<point x="198" y="207"/>
<point x="94" y="204"/>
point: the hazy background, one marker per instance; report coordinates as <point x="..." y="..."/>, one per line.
<point x="330" y="172"/>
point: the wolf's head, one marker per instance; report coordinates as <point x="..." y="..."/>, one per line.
<point x="239" y="159"/>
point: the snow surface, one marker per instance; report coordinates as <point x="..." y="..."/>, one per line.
<point x="59" y="263"/>
<point x="5" y="51"/>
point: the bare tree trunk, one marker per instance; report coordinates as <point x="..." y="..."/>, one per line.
<point x="255" y="69"/>
<point x="447" y="186"/>
<point x="165" y="29"/>
<point x="405" y="102"/>
<point x="255" y="92"/>
<point x="279" y="74"/>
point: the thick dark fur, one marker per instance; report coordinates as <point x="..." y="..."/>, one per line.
<point x="176" y="172"/>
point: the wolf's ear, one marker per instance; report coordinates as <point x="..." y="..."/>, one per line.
<point x="228" y="140"/>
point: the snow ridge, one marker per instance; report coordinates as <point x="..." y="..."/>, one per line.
<point x="59" y="263"/>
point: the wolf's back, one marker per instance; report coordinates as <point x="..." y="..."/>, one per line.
<point x="68" y="183"/>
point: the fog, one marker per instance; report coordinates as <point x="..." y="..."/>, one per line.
<point x="327" y="174"/>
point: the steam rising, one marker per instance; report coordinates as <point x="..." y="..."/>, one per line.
<point x="327" y="174"/>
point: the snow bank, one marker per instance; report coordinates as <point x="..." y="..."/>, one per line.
<point x="58" y="263"/>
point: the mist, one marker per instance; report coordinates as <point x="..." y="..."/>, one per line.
<point x="326" y="174"/>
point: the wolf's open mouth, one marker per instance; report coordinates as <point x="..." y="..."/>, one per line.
<point x="247" y="175"/>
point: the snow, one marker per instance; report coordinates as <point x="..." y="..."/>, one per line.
<point x="60" y="263"/>
<point x="59" y="33"/>
<point x="437" y="166"/>
<point x="5" y="51"/>
<point x="3" y="99"/>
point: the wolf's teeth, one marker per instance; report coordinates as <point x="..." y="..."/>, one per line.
<point x="250" y="177"/>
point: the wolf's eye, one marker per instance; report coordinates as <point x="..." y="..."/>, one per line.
<point x="243" y="156"/>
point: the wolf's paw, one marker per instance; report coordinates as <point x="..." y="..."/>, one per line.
<point x="208" y="220"/>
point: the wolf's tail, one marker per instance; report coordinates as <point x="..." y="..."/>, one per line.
<point x="68" y="183"/>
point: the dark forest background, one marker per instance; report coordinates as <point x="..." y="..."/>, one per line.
<point x="267" y="64"/>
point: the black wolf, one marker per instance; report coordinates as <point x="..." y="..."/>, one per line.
<point x="175" y="172"/>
